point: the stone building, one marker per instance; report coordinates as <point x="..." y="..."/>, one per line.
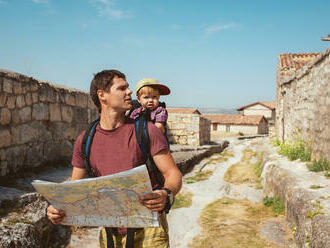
<point x="267" y="109"/>
<point x="246" y="124"/>
<point x="303" y="100"/>
<point x="186" y="126"/>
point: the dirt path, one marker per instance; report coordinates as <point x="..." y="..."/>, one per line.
<point x="229" y="210"/>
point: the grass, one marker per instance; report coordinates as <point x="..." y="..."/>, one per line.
<point x="245" y="171"/>
<point x="183" y="200"/>
<point x="199" y="176"/>
<point x="276" y="204"/>
<point x="320" y="165"/>
<point x="316" y="187"/>
<point x="228" y="223"/>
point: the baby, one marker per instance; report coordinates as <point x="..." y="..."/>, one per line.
<point x="148" y="91"/>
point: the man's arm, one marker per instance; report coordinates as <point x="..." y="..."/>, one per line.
<point x="56" y="215"/>
<point x="173" y="180"/>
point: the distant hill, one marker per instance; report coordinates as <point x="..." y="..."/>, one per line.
<point x="217" y="111"/>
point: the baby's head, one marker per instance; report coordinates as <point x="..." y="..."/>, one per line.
<point x="148" y="91"/>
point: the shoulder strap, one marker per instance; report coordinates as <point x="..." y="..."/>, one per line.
<point x="86" y="146"/>
<point x="142" y="136"/>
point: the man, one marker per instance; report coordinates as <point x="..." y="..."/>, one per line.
<point x="115" y="149"/>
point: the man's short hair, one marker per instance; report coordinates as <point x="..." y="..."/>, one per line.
<point x="103" y="81"/>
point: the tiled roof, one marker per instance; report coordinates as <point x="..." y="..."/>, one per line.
<point x="295" y="60"/>
<point x="183" y="111"/>
<point x="270" y="105"/>
<point x="234" y="119"/>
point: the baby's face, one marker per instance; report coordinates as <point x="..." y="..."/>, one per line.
<point x="149" y="100"/>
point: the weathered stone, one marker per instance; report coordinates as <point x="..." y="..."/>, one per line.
<point x="34" y="156"/>
<point x="11" y="102"/>
<point x="90" y="103"/>
<point x="3" y="168"/>
<point x="23" y="134"/>
<point x="35" y="97"/>
<point x="70" y="99"/>
<point x="40" y="111"/>
<point x="25" y="114"/>
<point x="7" y="85"/>
<point x="15" y="118"/>
<point x="2" y="154"/>
<point x="20" y="101"/>
<point x="67" y="114"/>
<point x="34" y="86"/>
<point x="28" y="98"/>
<point x="17" y="88"/>
<point x="55" y="112"/>
<point x="81" y="100"/>
<point x="5" y="116"/>
<point x="3" y="99"/>
<point x="46" y="94"/>
<point x="5" y="138"/>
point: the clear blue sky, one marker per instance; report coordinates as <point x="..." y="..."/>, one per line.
<point x="211" y="53"/>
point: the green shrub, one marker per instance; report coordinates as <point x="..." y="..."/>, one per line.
<point x="276" y="204"/>
<point x="320" y="165"/>
<point x="275" y="142"/>
<point x="295" y="150"/>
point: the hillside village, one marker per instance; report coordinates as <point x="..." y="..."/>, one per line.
<point x="40" y="122"/>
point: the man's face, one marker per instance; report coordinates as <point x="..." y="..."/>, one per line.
<point x="119" y="95"/>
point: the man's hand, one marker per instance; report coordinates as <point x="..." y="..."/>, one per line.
<point x="155" y="201"/>
<point x="56" y="216"/>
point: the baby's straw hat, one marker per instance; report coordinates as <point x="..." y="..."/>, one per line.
<point x="163" y="89"/>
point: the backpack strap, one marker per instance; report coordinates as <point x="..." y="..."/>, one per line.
<point x="86" y="146"/>
<point x="142" y="136"/>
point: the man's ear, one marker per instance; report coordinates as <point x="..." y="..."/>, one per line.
<point x="101" y="95"/>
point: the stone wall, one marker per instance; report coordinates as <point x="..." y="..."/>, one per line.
<point x="303" y="105"/>
<point x="188" y="129"/>
<point x="39" y="122"/>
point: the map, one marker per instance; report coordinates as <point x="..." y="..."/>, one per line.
<point x="110" y="201"/>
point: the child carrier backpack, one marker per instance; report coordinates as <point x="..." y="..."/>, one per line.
<point x="142" y="136"/>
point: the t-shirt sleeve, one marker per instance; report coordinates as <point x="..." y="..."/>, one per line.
<point x="77" y="159"/>
<point x="161" y="115"/>
<point x="157" y="139"/>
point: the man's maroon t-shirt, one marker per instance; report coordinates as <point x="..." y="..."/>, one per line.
<point x="117" y="150"/>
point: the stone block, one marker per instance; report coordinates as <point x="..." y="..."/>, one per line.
<point x="34" y="155"/>
<point x="79" y="115"/>
<point x="2" y="154"/>
<point x="40" y="111"/>
<point x="46" y="94"/>
<point x="7" y="85"/>
<point x="70" y="99"/>
<point x="3" y="99"/>
<point x="25" y="87"/>
<point x="34" y="86"/>
<point x="81" y="100"/>
<point x="3" y="168"/>
<point x="5" y="138"/>
<point x="15" y="156"/>
<point x="20" y="101"/>
<point x="5" y="116"/>
<point x="55" y="112"/>
<point x="28" y="98"/>
<point x="17" y="88"/>
<point x="23" y="134"/>
<point x="15" y="118"/>
<point x="25" y="114"/>
<point x="35" y="97"/>
<point x="67" y="113"/>
<point x="11" y="102"/>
